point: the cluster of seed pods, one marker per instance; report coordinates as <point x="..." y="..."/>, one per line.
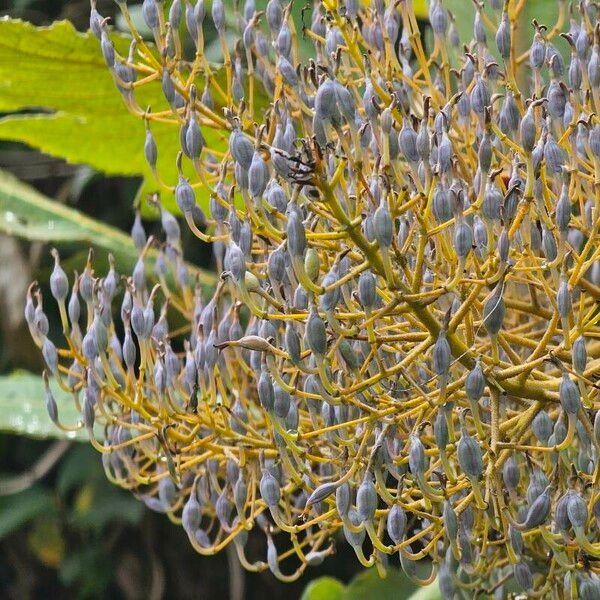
<point x="402" y="345"/>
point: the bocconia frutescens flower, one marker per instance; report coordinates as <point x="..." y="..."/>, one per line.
<point x="403" y="344"/>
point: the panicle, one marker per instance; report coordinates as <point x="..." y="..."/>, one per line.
<point x="401" y="339"/>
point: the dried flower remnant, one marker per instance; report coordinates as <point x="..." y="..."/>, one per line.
<point x="404" y="342"/>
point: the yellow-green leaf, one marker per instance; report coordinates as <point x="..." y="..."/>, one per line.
<point x="26" y="213"/>
<point x="23" y="407"/>
<point x="78" y="114"/>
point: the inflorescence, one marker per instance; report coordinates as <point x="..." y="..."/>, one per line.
<point x="403" y="342"/>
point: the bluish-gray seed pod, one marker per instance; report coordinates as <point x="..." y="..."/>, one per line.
<point x="594" y="141"/>
<point x="469" y="455"/>
<point x="557" y="99"/>
<point x="503" y="36"/>
<point x="563" y="299"/>
<point x="538" y="511"/>
<point x="440" y="431"/>
<point x="349" y="355"/>
<point x="554" y="156"/>
<point x="561" y="514"/>
<point x="190" y="516"/>
<point x="479" y="29"/>
<point x="241" y="149"/>
<point x="441" y="355"/>
<point x="438" y="19"/>
<point x="396" y="524"/>
<point x="417" y="461"/>
<point x="494" y="311"/>
<point x="266" y="393"/>
<point x="589" y="589"/>
<point x="218" y="15"/>
<point x="366" y="499"/>
<point x="194" y="140"/>
<point x="516" y="540"/>
<point x="549" y="246"/>
<point x="50" y="355"/>
<point x="575" y="74"/>
<point x="480" y="96"/>
<point x="316" y="335"/>
<point x="237" y="262"/>
<point x="168" y="88"/>
<point x="59" y="284"/>
<point x="484" y="153"/>
<point x="563" y="212"/>
<point x="475" y="383"/>
<point x="342" y="499"/>
<point x="326" y="103"/>
<point x="274" y="15"/>
<point x="367" y="289"/>
<point x="108" y="50"/>
<point x="577" y="511"/>
<point x="345" y="101"/>
<point x="523" y="576"/>
<point x="284" y="66"/>
<point x="355" y="539"/>
<point x="542" y="426"/>
<point x="537" y="52"/>
<point x="258" y="175"/>
<point x="51" y="406"/>
<point x="270" y="490"/>
<point x="382" y="225"/>
<point x="450" y="520"/>
<point x="463" y="238"/>
<point x="445" y="154"/>
<point x="527" y="130"/>
<point x="322" y="492"/>
<point x="407" y="140"/>
<point x="296" y="236"/>
<point x="441" y="206"/>
<point x="568" y="394"/>
<point x="96" y="22"/>
<point x="245" y="242"/>
<point x="88" y="413"/>
<point x="186" y="200"/>
<point x="150" y="13"/>
<point x="129" y="350"/>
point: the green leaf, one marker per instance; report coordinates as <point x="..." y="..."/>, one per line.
<point x="26" y="213"/>
<point x="80" y="116"/>
<point x="91" y="567"/>
<point x="108" y="504"/>
<point x="23" y="408"/>
<point x="431" y="592"/>
<point x="18" y="509"/>
<point x="82" y="464"/>
<point x="369" y="585"/>
<point x="324" y="588"/>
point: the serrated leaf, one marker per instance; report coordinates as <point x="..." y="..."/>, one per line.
<point x="324" y="588"/>
<point x="23" y="408"/>
<point x="80" y="114"/>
